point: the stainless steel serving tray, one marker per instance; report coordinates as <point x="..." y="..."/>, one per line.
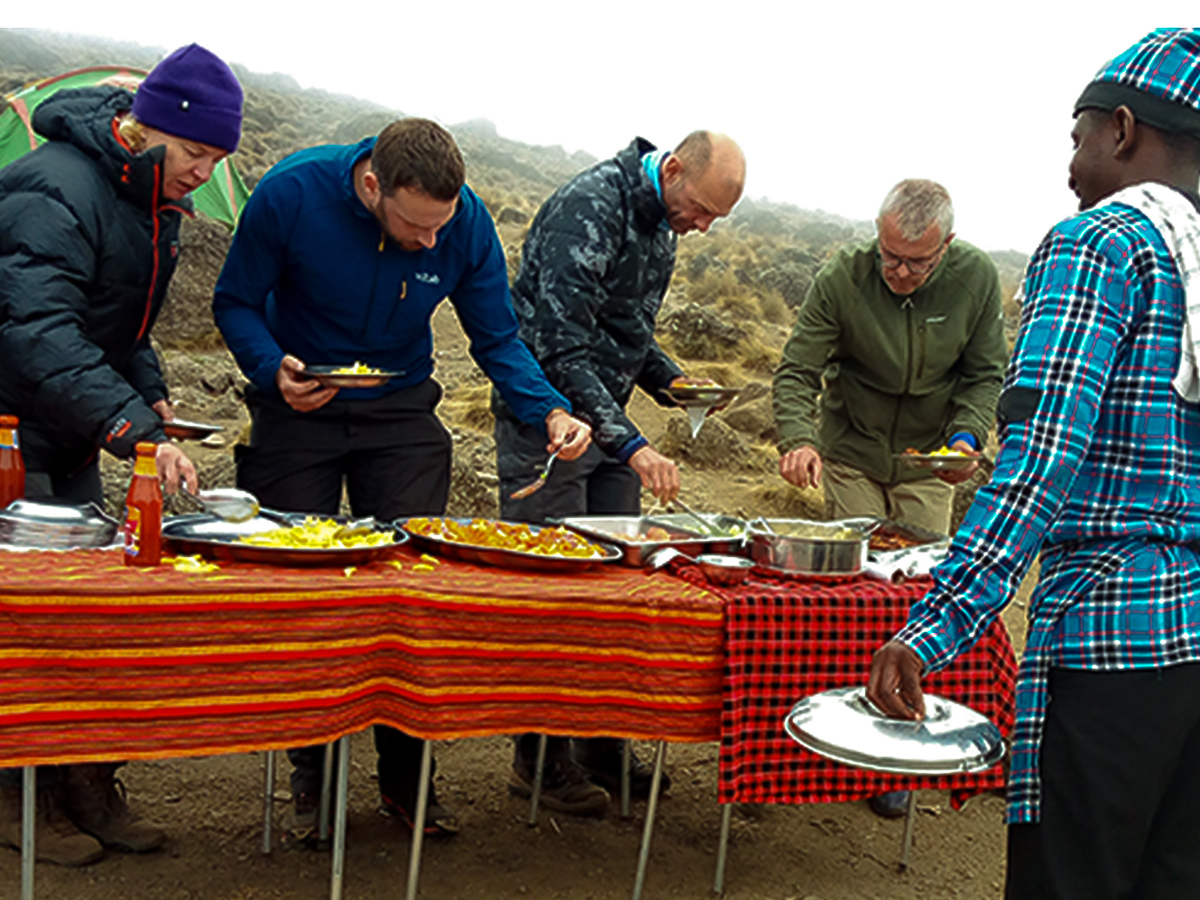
<point x="843" y="725"/>
<point x="812" y="548"/>
<point x="623" y="531"/>
<point x="182" y="430"/>
<point x="55" y="524"/>
<point x="513" y="559"/>
<point x="217" y="539"/>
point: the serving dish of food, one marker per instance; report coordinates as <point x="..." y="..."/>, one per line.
<point x="357" y="375"/>
<point x="495" y="542"/>
<point x="183" y="430"/>
<point x="639" y="537"/>
<point x="280" y="539"/>
<point x="803" y="548"/>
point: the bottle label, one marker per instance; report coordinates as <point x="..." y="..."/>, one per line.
<point x="145" y="465"/>
<point x="133" y="530"/>
<point x="8" y="439"/>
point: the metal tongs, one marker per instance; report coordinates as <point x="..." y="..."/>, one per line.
<point x="230" y="504"/>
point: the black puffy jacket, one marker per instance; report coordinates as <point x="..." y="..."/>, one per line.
<point x="86" y="253"/>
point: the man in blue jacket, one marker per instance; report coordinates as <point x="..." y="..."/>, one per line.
<point x="342" y="255"/>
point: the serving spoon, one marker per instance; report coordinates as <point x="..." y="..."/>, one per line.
<point x="230" y="504"/>
<point x="538" y="483"/>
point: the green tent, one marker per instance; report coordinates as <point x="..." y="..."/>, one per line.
<point x="222" y="198"/>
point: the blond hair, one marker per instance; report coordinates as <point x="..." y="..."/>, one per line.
<point x="132" y="132"/>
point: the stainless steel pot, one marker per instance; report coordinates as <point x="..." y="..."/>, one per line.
<point x="806" y="547"/>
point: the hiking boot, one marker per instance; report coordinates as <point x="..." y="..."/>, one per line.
<point x="55" y="838"/>
<point x="95" y="801"/>
<point x="604" y="768"/>
<point x="892" y="805"/>
<point x="565" y="788"/>
<point x="402" y="805"/>
<point x="300" y="822"/>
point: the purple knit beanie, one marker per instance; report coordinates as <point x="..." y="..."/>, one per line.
<point x="192" y="94"/>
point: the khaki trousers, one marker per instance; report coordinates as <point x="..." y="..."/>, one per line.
<point x="849" y="493"/>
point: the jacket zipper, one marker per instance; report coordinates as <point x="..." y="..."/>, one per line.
<point x="154" y="273"/>
<point x="907" y="306"/>
<point x="374" y="284"/>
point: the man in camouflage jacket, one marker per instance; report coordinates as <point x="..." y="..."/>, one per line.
<point x="594" y="271"/>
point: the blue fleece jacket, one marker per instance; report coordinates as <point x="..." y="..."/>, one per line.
<point x="309" y="273"/>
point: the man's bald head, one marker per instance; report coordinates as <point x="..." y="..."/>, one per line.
<point x="702" y="180"/>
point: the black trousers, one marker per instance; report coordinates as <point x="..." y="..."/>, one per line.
<point x="82" y="487"/>
<point x="391" y="455"/>
<point x="1120" y="769"/>
<point x="595" y="485"/>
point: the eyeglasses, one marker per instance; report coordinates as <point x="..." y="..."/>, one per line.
<point x="916" y="266"/>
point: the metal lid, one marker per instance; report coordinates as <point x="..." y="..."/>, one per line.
<point x="844" y="725"/>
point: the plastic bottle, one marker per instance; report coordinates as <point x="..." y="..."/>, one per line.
<point x="143" y="511"/>
<point x="12" y="466"/>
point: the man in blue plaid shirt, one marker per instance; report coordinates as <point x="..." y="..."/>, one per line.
<point x="1099" y="470"/>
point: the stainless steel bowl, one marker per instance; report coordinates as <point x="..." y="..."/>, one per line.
<point x="724" y="570"/>
<point x="807" y="547"/>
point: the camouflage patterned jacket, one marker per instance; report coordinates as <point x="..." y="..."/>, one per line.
<point x="594" y="271"/>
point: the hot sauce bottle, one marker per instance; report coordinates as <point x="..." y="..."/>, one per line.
<point x="12" y="467"/>
<point x="143" y="510"/>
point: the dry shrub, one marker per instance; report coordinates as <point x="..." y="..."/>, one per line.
<point x="740" y="307"/>
<point x="470" y="407"/>
<point x="755" y="356"/>
<point x="712" y="286"/>
<point x="773" y="307"/>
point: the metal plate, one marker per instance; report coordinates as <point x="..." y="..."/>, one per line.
<point x="498" y="556"/>
<point x="326" y="376"/>
<point x="623" y="531"/>
<point x="183" y="430"/>
<point x="843" y="725"/>
<point x="215" y="538"/>
<point x="704" y="395"/>
<point x="937" y="463"/>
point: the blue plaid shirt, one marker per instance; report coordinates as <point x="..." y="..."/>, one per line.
<point x="1098" y="472"/>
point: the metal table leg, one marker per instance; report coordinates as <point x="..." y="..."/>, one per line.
<point x="339" y="818"/>
<point x="268" y="799"/>
<point x="626" y="776"/>
<point x="539" y="772"/>
<point x="660" y="754"/>
<point x="723" y="848"/>
<point x="28" y="811"/>
<point x="326" y="791"/>
<point x="909" y="819"/>
<point x="414" y="856"/>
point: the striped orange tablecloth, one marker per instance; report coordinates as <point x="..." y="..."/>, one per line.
<point x="100" y="661"/>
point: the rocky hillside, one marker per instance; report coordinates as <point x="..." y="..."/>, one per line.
<point x="729" y="310"/>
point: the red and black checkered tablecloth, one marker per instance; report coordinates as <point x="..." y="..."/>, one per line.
<point x="787" y="639"/>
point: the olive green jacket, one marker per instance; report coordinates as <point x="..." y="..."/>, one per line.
<point x="867" y="374"/>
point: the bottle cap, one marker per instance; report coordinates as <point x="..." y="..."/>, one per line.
<point x="9" y="421"/>
<point x="144" y="448"/>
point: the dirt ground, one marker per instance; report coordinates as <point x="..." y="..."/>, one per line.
<point x="212" y="807"/>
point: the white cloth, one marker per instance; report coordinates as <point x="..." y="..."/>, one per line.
<point x="1176" y="220"/>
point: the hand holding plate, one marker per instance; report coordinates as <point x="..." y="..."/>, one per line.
<point x="895" y="682"/>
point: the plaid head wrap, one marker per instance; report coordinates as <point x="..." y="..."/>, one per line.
<point x="1158" y="78"/>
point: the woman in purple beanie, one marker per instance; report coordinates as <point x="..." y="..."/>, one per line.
<point x="89" y="235"/>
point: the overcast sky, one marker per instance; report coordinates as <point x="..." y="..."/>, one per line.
<point x="832" y="102"/>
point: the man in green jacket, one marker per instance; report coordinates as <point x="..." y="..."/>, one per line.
<point x="899" y="344"/>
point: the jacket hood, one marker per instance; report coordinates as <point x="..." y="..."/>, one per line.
<point x="83" y="118"/>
